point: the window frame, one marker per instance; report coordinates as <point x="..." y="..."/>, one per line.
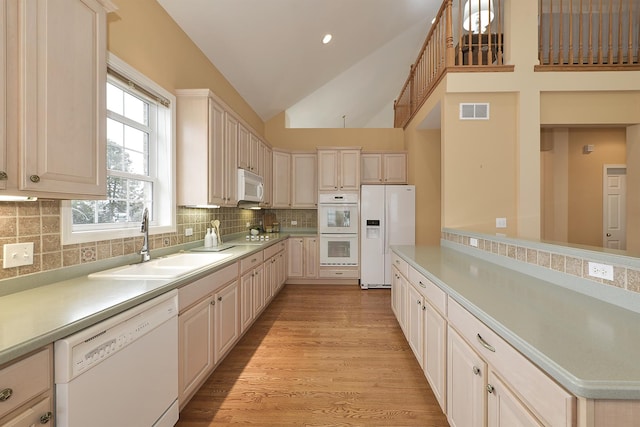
<point x="163" y="158"/>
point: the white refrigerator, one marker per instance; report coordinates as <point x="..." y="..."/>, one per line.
<point x="387" y="217"/>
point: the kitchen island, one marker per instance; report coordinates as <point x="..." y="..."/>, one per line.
<point x="587" y="346"/>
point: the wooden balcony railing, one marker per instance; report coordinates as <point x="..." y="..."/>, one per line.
<point x="588" y="32"/>
<point x="458" y="39"/>
<point x="573" y="35"/>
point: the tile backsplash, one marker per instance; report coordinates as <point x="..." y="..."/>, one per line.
<point x="39" y="222"/>
<point x="573" y="262"/>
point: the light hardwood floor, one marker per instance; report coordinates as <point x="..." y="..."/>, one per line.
<point x="320" y="355"/>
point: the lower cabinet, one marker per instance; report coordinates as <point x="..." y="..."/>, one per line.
<point x="465" y="384"/>
<point x="303" y="258"/>
<point x="227" y="319"/>
<point x="26" y="390"/>
<point x="478" y="378"/>
<point x="195" y="346"/>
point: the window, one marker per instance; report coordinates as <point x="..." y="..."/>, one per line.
<point x="140" y="163"/>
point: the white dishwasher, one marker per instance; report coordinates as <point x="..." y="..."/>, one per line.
<point x="122" y="371"/>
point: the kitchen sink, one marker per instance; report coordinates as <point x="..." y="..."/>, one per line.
<point x="162" y="268"/>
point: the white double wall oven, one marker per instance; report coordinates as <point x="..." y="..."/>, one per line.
<point x="338" y="221"/>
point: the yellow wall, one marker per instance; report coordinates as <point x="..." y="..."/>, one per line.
<point x="308" y="139"/>
<point x="589" y="108"/>
<point x="586" y="179"/>
<point x="479" y="164"/>
<point x="142" y="34"/>
<point x="633" y="189"/>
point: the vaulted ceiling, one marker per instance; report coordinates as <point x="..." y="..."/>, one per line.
<point x="271" y="52"/>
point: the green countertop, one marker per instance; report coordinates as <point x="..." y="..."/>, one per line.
<point x="589" y="346"/>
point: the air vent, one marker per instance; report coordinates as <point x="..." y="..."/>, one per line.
<point x="474" y="111"/>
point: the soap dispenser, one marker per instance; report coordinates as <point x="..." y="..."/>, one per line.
<point x="208" y="239"/>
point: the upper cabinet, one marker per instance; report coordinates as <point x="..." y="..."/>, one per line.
<point x="304" y="181"/>
<point x="384" y="168"/>
<point x="281" y="195"/>
<point x="339" y="169"/>
<point x="55" y="98"/>
<point x="206" y="155"/>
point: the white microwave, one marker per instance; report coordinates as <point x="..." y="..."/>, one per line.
<point x="250" y="186"/>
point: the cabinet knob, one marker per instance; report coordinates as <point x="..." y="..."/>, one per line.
<point x="5" y="394"/>
<point x="3" y="176"/>
<point x="418" y="302"/>
<point x="476" y="370"/>
<point x="213" y="303"/>
<point x="490" y="388"/>
<point x="34" y="178"/>
<point x="46" y="418"/>
<point x="219" y="298"/>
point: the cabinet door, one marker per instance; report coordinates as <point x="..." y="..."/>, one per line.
<point x="40" y="413"/>
<point x="231" y="160"/>
<point x="259" y="281"/>
<point x="195" y="354"/>
<point x="435" y="352"/>
<point x="415" y="323"/>
<point x="281" y="189"/>
<point x="371" y="168"/>
<point x="267" y="175"/>
<point x="504" y="408"/>
<point x="283" y="259"/>
<point x="244" y="150"/>
<point x="403" y="286"/>
<point x="311" y="260"/>
<point x="227" y="322"/>
<point x="327" y="169"/>
<point x="254" y="154"/>
<point x="349" y="169"/>
<point x="304" y="181"/>
<point x="246" y="300"/>
<point x="395" y="292"/>
<point x="395" y="168"/>
<point x="217" y="175"/>
<point x="296" y="257"/>
<point x="259" y="294"/>
<point x="63" y="87"/>
<point x="466" y="373"/>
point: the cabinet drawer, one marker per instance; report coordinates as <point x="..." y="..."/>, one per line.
<point x="251" y="261"/>
<point x="436" y="296"/>
<point x="39" y="414"/>
<point x="339" y="274"/>
<point x="400" y="264"/>
<point x="26" y="379"/>
<point x="273" y="249"/>
<point x="549" y="401"/>
<point x="195" y="291"/>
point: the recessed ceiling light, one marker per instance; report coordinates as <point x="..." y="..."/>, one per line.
<point x="327" y="38"/>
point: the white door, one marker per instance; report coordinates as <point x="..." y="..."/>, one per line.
<point x="614" y="207"/>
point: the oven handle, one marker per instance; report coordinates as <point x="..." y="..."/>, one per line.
<point x="342" y="235"/>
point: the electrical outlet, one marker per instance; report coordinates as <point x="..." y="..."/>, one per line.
<point x="501" y="222"/>
<point x="188" y="231"/>
<point x="294" y="222"/>
<point x="17" y="254"/>
<point x="473" y="242"/>
<point x="248" y="224"/>
<point x="601" y="271"/>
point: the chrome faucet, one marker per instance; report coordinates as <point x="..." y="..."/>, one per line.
<point x="144" y="252"/>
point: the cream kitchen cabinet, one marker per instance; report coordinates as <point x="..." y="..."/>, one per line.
<point x="227" y="319"/>
<point x="54" y="98"/>
<point x="252" y="271"/>
<point x="206" y="150"/>
<point x="195" y="346"/>
<point x="304" y="181"/>
<point x="266" y="154"/>
<point x="339" y="169"/>
<point x="207" y="327"/>
<point x="383" y="168"/>
<point x="415" y="323"/>
<point x="281" y="190"/>
<point x="521" y="388"/>
<point x="303" y="258"/>
<point x="26" y="390"/>
<point x="273" y="265"/>
<point x="244" y="148"/>
<point x="466" y="383"/>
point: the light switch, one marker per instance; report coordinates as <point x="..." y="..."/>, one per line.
<point x="17" y="254"/>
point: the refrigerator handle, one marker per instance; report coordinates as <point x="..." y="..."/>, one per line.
<point x="385" y="244"/>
